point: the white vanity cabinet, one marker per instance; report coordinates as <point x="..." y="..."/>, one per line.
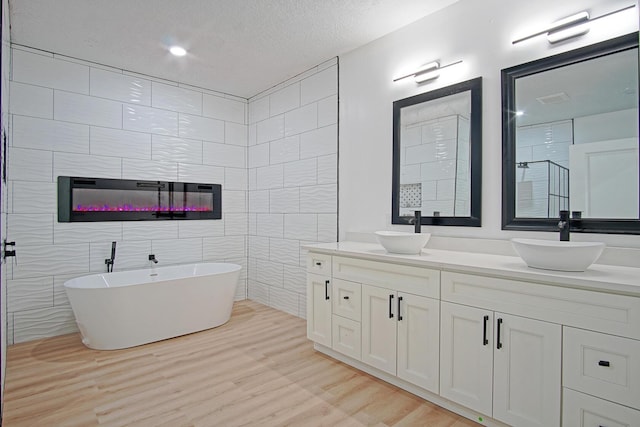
<point x="501" y="365"/>
<point x="319" y="298"/>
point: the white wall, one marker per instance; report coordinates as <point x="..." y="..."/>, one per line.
<point x="479" y="33"/>
<point x="292" y="158"/>
<point x="79" y="119"/>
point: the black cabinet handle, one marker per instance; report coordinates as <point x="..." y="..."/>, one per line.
<point x="499" y="344"/>
<point x="604" y="363"/>
<point x="346" y="297"/>
<point x="326" y="289"/>
<point x="391" y="306"/>
<point x="318" y="263"/>
<point x="485" y="341"/>
<point x="399" y="312"/>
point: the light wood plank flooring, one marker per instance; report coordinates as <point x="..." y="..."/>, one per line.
<point x="257" y="370"/>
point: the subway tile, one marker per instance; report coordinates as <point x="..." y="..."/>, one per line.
<point x="284" y="200"/>
<point x="149" y="230"/>
<point x="82" y="232"/>
<point x="234" y="201"/>
<point x="120" y="87"/>
<point x="175" y="98"/>
<point x="446" y="189"/>
<point x="205" y="174"/>
<point x="252" y="179"/>
<point x="252" y="134"/>
<point x="229" y="110"/>
<point x="258" y="110"/>
<point x="120" y="143"/>
<point x="235" y="134"/>
<point x="41" y="134"/>
<point x="319" y="142"/>
<point x="42" y="323"/>
<point x="224" y="248"/>
<point x="33" y="101"/>
<point x="301" y="120"/>
<point x="30" y="229"/>
<point x="258" y="292"/>
<point x="46" y="260"/>
<point x="224" y="155"/>
<point x="29" y="165"/>
<point x="319" y="199"/>
<point x="328" y="169"/>
<point x="34" y="197"/>
<point x="269" y="272"/>
<point x="295" y="279"/>
<point x="300" y="173"/>
<point x="301" y="227"/>
<point x="284" y="300"/>
<point x="196" y="127"/>
<point x="284" y="251"/>
<point x="284" y="150"/>
<point x="66" y="164"/>
<point x="252" y="228"/>
<point x="27" y="294"/>
<point x="258" y="155"/>
<point x="177" y="251"/>
<point x="72" y="107"/>
<point x="60" y="297"/>
<point x="285" y="99"/>
<point x="149" y="170"/>
<point x="153" y="120"/>
<point x="328" y="111"/>
<point x="130" y="254"/>
<point x="259" y="201"/>
<point x="438" y="170"/>
<point x="45" y="71"/>
<point x="236" y="224"/>
<point x="235" y="179"/>
<point x="258" y="247"/>
<point x="201" y="228"/>
<point x="9" y="330"/>
<point x="270" y="129"/>
<point x="270" y="225"/>
<point x="171" y="149"/>
<point x="270" y="177"/>
<point x="319" y="86"/>
<point x="327" y="228"/>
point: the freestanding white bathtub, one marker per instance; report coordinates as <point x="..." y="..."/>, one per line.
<point x="130" y="308"/>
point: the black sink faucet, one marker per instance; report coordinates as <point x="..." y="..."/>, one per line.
<point x="564" y="225"/>
<point x="111" y="261"/>
<point x="416" y="221"/>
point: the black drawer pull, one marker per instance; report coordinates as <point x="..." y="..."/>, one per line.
<point x="399" y="312"/>
<point x="499" y="344"/>
<point x="326" y="289"/>
<point x="346" y="297"/>
<point x="391" y="306"/>
<point x="485" y="341"/>
<point x="604" y="363"/>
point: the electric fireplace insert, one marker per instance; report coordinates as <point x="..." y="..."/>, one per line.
<point x="100" y="199"/>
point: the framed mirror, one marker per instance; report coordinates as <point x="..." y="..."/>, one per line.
<point x="437" y="156"/>
<point x="570" y="140"/>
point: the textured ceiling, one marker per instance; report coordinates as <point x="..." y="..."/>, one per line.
<point x="240" y="47"/>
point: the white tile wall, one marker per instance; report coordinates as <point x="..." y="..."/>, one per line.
<point x="73" y="118"/>
<point x="293" y="142"/>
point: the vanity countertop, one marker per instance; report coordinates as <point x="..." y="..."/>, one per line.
<point x="598" y="277"/>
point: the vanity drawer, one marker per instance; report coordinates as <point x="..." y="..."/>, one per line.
<point x="346" y="336"/>
<point x="602" y="365"/>
<point x="319" y="264"/>
<point x="581" y="410"/>
<point x="403" y="278"/>
<point x="347" y="299"/>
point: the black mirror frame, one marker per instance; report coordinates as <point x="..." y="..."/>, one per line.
<point x="509" y="76"/>
<point x="475" y="139"/>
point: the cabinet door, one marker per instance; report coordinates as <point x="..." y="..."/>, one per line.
<point x="527" y="371"/>
<point x="418" y="340"/>
<point x="379" y="328"/>
<point x="466" y="356"/>
<point x="319" y="309"/>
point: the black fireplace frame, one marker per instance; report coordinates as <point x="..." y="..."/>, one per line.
<point x="66" y="184"/>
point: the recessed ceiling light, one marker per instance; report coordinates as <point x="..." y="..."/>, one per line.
<point x="519" y="113"/>
<point x="177" y="51"/>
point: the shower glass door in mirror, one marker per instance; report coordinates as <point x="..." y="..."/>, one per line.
<point x="435" y="143"/>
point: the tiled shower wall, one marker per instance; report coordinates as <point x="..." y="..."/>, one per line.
<point x="293" y="192"/>
<point x="74" y="118"/>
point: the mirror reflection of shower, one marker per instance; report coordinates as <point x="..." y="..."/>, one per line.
<point x="546" y="181"/>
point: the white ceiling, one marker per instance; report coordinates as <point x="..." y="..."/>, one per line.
<point x="240" y="47"/>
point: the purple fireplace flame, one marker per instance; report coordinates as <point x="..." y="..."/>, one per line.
<point x="132" y="208"/>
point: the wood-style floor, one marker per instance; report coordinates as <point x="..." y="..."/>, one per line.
<point x="257" y="370"/>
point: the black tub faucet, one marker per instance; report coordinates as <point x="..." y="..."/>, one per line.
<point x="564" y="225"/>
<point x="111" y="261"/>
<point x="152" y="257"/>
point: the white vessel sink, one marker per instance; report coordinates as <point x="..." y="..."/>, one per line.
<point x="397" y="242"/>
<point x="556" y="255"/>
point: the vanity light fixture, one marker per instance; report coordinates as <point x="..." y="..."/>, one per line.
<point x="571" y="26"/>
<point x="427" y="72"/>
<point x="177" y="51"/>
